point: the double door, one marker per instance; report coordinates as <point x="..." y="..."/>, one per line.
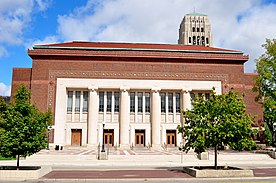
<point x="76" y="135"/>
<point x="139" y="138"/>
<point x="171" y="138"/>
<point x="109" y="137"/>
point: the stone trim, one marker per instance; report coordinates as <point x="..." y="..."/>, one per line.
<point x="54" y="74"/>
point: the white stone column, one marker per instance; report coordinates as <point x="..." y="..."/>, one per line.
<point x="93" y="109"/>
<point x="166" y="108"/>
<point x="60" y="115"/>
<point x="144" y="108"/>
<point x="124" y="118"/>
<point x="112" y="107"/>
<point x="136" y="107"/>
<point x="105" y="106"/>
<point x="187" y="105"/>
<point x="73" y="106"/>
<point x="174" y="108"/>
<point x="155" y="118"/>
<point x="81" y="106"/>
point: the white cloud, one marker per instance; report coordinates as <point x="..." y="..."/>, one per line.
<point x="241" y="25"/>
<point x="5" y="90"/>
<point x="15" y="17"/>
<point x="3" y="52"/>
<point x="47" y="40"/>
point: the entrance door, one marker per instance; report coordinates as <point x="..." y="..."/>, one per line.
<point x="76" y="135"/>
<point x="140" y="138"/>
<point x="171" y="138"/>
<point x="109" y="137"/>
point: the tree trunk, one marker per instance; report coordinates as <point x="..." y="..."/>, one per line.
<point x="216" y="157"/>
<point x="17" y="165"/>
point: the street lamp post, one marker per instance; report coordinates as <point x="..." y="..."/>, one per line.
<point x="103" y="138"/>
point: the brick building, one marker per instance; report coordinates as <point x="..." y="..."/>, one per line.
<point x="136" y="90"/>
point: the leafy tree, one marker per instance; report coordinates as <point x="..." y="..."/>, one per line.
<point x="217" y="122"/>
<point x="22" y="126"/>
<point x="265" y="84"/>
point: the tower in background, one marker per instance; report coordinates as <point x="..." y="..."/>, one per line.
<point x="195" y="29"/>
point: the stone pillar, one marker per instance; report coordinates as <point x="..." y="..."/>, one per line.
<point x="155" y="118"/>
<point x="186" y="102"/>
<point x="186" y="105"/>
<point x="124" y="118"/>
<point x="93" y="109"/>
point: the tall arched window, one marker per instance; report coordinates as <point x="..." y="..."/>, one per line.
<point x="198" y="40"/>
<point x="203" y="40"/>
<point x="194" y="40"/>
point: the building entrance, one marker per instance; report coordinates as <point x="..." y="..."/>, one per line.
<point x="76" y="135"/>
<point x="171" y="138"/>
<point x="140" y="138"/>
<point x="109" y="137"/>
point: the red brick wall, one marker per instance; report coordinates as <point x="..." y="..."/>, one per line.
<point x="20" y="76"/>
<point x="163" y="68"/>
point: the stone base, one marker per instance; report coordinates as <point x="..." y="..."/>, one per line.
<point x="124" y="146"/>
<point x="203" y="156"/>
<point x="102" y="156"/>
<point x="209" y="172"/>
<point x="272" y="154"/>
<point x="156" y="147"/>
<point x="24" y="174"/>
<point x="92" y="146"/>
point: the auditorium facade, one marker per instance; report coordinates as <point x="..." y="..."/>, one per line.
<point x="127" y="94"/>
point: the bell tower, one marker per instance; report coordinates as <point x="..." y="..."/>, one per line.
<point x="195" y="29"/>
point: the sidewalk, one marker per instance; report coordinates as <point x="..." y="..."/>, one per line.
<point x="79" y="160"/>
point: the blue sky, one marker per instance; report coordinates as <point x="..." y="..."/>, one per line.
<point x="240" y="25"/>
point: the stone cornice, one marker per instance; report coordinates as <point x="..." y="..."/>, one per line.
<point x="48" y="53"/>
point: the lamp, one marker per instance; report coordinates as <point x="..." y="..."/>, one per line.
<point x="103" y="137"/>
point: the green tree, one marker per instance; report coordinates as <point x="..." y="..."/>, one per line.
<point x="217" y="122"/>
<point x="22" y="126"/>
<point x="265" y="84"/>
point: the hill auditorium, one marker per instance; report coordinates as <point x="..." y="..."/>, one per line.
<point x="131" y="94"/>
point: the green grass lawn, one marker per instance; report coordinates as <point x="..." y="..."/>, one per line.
<point x="2" y="158"/>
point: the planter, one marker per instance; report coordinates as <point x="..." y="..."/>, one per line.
<point x="210" y="172"/>
<point x="203" y="156"/>
<point x="272" y="154"/>
<point x="24" y="172"/>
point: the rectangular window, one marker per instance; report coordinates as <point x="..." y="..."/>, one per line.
<point x="132" y="101"/>
<point x="193" y="97"/>
<point x="69" y="101"/>
<point x="140" y="102"/>
<point x="101" y="101"/>
<point x="207" y="96"/>
<point x="85" y="101"/>
<point x="109" y="101"/>
<point x="163" y="102"/>
<point x="116" y="101"/>
<point x="177" y="102"/>
<point x="77" y="101"/>
<point x="170" y="102"/>
<point x="199" y="95"/>
<point x="147" y="98"/>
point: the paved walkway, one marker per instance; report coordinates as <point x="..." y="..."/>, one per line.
<point x="79" y="163"/>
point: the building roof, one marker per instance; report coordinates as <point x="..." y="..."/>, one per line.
<point x="195" y="14"/>
<point x="78" y="45"/>
<point x="136" y="50"/>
